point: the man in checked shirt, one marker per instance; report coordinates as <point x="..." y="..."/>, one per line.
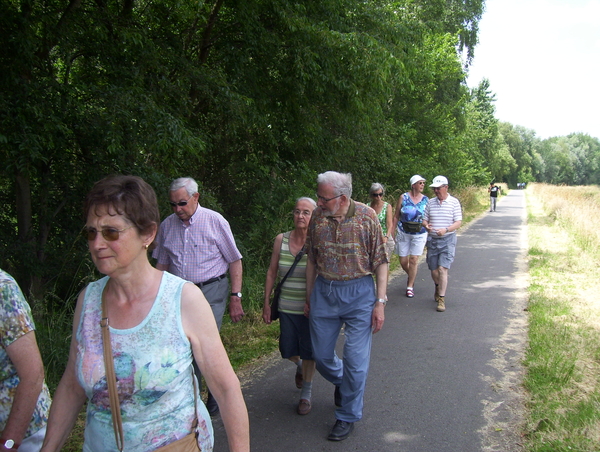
<point x="196" y="244"/>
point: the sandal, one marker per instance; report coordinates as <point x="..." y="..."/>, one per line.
<point x="410" y="293"/>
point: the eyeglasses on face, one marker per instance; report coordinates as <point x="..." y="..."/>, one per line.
<point x="322" y="198"/>
<point x="299" y="213"/>
<point x="421" y="183"/>
<point x="180" y="203"/>
<point x="439" y="188"/>
<point x="109" y="234"/>
<point x="375" y="195"/>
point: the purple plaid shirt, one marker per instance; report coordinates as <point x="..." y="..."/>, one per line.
<point x="200" y="251"/>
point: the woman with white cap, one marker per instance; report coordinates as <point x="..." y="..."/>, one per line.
<point x="411" y="236"/>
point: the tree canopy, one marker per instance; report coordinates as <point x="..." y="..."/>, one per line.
<point x="252" y="99"/>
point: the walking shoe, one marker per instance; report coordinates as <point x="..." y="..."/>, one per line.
<point x="299" y="378"/>
<point x="441" y="307"/>
<point x="410" y="292"/>
<point x="304" y="406"/>
<point x="337" y="397"/>
<point x="341" y="430"/>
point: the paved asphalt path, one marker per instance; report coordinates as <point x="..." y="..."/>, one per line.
<point x="438" y="381"/>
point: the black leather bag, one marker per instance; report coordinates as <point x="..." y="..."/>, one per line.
<point x="275" y="302"/>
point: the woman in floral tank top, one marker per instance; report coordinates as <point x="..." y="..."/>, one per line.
<point x="158" y="323"/>
<point x="24" y="396"/>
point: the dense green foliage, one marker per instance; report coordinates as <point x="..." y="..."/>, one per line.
<point x="253" y="99"/>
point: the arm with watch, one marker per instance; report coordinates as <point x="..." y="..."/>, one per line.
<point x="236" y="311"/>
<point x="378" y="317"/>
<point x="453" y="227"/>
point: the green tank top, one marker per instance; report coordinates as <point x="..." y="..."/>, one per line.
<point x="382" y="216"/>
<point x="293" y="292"/>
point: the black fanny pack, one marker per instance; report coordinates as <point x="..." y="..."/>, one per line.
<point x="411" y="226"/>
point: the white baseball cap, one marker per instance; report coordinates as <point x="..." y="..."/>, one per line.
<point x="416" y="178"/>
<point x="438" y="181"/>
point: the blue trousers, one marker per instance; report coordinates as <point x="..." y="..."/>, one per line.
<point x="333" y="304"/>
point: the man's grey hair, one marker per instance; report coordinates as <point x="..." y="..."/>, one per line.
<point x="307" y="199"/>
<point x="341" y="182"/>
<point x="190" y="185"/>
<point x="376" y="187"/>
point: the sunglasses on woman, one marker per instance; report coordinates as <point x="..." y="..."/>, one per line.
<point x="376" y="195"/>
<point x="109" y="234"/>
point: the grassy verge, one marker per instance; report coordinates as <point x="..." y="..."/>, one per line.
<point x="563" y="357"/>
<point x="53" y="333"/>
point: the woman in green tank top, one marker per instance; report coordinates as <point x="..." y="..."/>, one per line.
<point x="294" y="340"/>
<point x="384" y="213"/>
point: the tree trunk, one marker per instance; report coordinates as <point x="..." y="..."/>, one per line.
<point x="30" y="283"/>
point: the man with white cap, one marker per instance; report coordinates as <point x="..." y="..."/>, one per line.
<point x="442" y="217"/>
<point x="410" y="235"/>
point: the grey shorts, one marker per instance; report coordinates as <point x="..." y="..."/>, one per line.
<point x="440" y="251"/>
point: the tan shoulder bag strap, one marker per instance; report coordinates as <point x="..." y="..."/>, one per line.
<point x="111" y="381"/>
<point x="111" y="378"/>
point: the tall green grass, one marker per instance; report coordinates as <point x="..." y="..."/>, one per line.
<point x="562" y="359"/>
<point x="53" y="332"/>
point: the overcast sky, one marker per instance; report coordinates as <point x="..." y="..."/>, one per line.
<point x="542" y="58"/>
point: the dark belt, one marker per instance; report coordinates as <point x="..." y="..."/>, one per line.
<point x="211" y="280"/>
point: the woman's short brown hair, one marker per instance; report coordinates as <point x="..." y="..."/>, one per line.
<point x="130" y="196"/>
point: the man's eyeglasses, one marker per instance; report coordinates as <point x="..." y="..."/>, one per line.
<point x="438" y="188"/>
<point x="322" y="198"/>
<point x="180" y="203"/>
<point x="109" y="234"/>
<point x="376" y="195"/>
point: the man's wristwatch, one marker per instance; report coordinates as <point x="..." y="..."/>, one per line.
<point x="9" y="444"/>
<point x="382" y="300"/>
<point x="236" y="294"/>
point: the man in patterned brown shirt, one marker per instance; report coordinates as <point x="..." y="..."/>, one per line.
<point x="345" y="249"/>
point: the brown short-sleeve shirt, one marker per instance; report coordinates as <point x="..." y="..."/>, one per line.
<point x="349" y="249"/>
